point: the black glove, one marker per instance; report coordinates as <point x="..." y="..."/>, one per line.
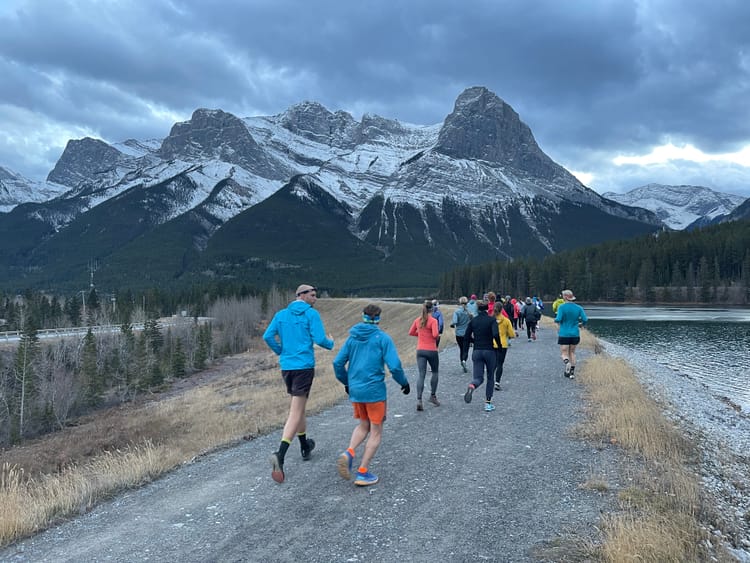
<point x="346" y="388"/>
<point x="405" y="389"/>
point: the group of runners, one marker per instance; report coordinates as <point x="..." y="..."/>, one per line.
<point x="486" y="325"/>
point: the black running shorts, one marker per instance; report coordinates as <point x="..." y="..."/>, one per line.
<point x="568" y="340"/>
<point x="298" y="381"/>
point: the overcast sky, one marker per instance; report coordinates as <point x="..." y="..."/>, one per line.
<point x="620" y="92"/>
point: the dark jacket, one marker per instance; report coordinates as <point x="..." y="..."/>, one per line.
<point x="482" y="330"/>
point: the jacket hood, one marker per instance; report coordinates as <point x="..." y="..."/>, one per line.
<point x="363" y="331"/>
<point x="298" y="307"/>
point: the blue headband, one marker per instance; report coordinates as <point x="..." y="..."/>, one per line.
<point x="371" y="320"/>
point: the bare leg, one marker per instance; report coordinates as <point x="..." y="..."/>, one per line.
<point x="296" y="421"/>
<point x="359" y="434"/>
<point x="565" y="352"/>
<point x="572" y="355"/>
<point x="373" y="442"/>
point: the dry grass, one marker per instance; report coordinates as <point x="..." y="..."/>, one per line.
<point x="659" y="520"/>
<point x="69" y="471"/>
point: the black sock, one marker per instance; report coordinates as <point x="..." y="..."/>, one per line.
<point x="302" y="440"/>
<point x="282" y="450"/>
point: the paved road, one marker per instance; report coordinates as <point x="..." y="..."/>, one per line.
<point x="457" y="484"/>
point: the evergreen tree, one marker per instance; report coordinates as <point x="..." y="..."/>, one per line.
<point x="93" y="384"/>
<point x="178" y="359"/>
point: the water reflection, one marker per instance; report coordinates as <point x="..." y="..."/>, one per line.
<point x="709" y="345"/>
<point x="703" y="314"/>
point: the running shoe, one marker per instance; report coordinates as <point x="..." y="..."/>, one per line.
<point x="572" y="372"/>
<point x="365" y="479"/>
<point x="420" y="407"/>
<point x="277" y="468"/>
<point x="489" y="407"/>
<point x="463" y="365"/>
<point x="344" y="464"/>
<point x="434" y="400"/>
<point x="307" y="453"/>
<point x="567" y="367"/>
<point x="497" y="386"/>
<point x="467" y="395"/>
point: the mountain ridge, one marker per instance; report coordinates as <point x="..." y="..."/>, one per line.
<point x="473" y="188"/>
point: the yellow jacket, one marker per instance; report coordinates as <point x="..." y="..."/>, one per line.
<point x="505" y="329"/>
<point x="556" y="303"/>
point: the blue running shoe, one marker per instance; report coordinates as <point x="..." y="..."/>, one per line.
<point x="489" y="407"/>
<point x="365" y="479"/>
<point x="344" y="464"/>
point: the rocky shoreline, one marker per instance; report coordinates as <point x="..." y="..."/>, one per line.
<point x="722" y="431"/>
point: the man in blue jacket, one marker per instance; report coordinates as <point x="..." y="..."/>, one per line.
<point x="366" y="351"/>
<point x="291" y="334"/>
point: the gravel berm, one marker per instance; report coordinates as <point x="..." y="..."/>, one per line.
<point x="456" y="484"/>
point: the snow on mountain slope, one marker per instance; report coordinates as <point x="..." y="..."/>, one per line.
<point x="679" y="206"/>
<point x="15" y="190"/>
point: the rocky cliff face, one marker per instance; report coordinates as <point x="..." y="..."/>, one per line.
<point x="473" y="188"/>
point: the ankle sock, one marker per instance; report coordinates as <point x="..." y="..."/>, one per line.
<point x="351" y="452"/>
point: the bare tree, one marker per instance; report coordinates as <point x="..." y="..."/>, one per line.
<point x="237" y="321"/>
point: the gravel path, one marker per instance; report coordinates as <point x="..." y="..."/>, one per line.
<point x="456" y="484"/>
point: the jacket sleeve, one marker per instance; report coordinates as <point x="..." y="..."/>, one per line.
<point x="584" y="318"/>
<point x="270" y="335"/>
<point x="339" y="364"/>
<point x="390" y="355"/>
<point x="318" y="332"/>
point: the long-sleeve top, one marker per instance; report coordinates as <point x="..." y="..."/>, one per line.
<point x="568" y="316"/>
<point x="482" y="331"/>
<point x="460" y="320"/>
<point x="427" y="335"/>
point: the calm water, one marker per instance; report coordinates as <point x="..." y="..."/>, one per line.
<point x="709" y="345"/>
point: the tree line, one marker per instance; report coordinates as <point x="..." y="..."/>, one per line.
<point x="44" y="384"/>
<point x="705" y="266"/>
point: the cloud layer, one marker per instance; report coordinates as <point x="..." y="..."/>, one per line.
<point x="594" y="80"/>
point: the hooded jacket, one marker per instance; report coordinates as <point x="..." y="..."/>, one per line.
<point x="297" y="328"/>
<point x="366" y="351"/>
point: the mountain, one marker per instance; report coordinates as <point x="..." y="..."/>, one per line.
<point x="680" y="207"/>
<point x="742" y="211"/>
<point x="15" y="190"/>
<point x="308" y="194"/>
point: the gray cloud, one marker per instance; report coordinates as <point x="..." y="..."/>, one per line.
<point x="592" y="79"/>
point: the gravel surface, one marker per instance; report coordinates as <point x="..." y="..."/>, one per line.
<point x="456" y="484"/>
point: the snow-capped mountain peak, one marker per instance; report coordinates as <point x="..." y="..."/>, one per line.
<point x="679" y="206"/>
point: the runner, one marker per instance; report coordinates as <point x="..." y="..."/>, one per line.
<point x="506" y="332"/>
<point x="459" y="322"/>
<point x="425" y="328"/>
<point x="569" y="317"/>
<point x="482" y="331"/>
<point x="291" y="334"/>
<point x="366" y="351"/>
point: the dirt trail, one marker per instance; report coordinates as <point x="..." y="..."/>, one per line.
<point x="457" y="484"/>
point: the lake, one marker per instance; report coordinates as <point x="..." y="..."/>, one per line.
<point x="709" y="345"/>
